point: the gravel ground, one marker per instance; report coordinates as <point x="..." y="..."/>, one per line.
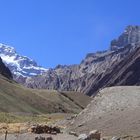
<point x="29" y="136"/>
<point x="115" y="111"/>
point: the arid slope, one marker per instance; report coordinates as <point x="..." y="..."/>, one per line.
<point x="114" y="111"/>
<point x="16" y="98"/>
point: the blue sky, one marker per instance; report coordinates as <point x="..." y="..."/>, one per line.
<point x="56" y="32"/>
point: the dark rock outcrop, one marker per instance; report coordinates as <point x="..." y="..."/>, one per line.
<point x="4" y="70"/>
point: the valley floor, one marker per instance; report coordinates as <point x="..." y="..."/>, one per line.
<point x="115" y="111"/>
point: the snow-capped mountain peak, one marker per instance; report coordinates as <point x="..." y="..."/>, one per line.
<point x="18" y="64"/>
<point x="7" y="49"/>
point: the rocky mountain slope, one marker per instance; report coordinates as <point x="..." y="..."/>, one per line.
<point x="92" y="69"/>
<point x="20" y="66"/>
<point x="114" y="111"/>
<point x="126" y="72"/>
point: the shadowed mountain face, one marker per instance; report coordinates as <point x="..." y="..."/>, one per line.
<point x="4" y="70"/>
<point x="125" y="72"/>
<point x="89" y="76"/>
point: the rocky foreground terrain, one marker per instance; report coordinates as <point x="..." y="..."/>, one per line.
<point x="115" y="111"/>
<point x="33" y="136"/>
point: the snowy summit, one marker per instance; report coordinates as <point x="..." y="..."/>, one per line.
<point x="18" y="64"/>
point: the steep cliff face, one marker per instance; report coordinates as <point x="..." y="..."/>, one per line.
<point x="93" y="68"/>
<point x="125" y="72"/>
<point x="4" y="70"/>
<point x="129" y="36"/>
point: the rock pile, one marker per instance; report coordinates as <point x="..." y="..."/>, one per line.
<point x="40" y="129"/>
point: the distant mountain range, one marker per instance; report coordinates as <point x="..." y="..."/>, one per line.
<point x="95" y="72"/>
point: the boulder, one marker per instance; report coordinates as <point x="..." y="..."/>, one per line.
<point x="49" y="138"/>
<point x="40" y="138"/>
<point x="115" y="138"/>
<point x="73" y="133"/>
<point x="95" y="134"/>
<point x="83" y="137"/>
<point x="43" y="138"/>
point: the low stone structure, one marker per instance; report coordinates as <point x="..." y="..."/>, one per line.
<point x="40" y="129"/>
